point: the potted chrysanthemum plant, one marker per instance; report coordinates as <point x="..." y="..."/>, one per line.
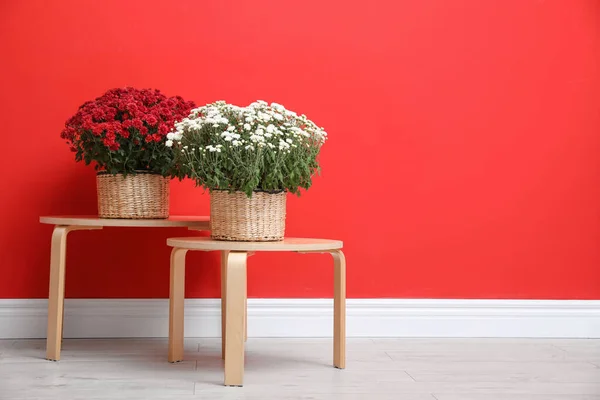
<point x="248" y="158"/>
<point x="123" y="133"/>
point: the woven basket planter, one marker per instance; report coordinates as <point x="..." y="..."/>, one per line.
<point x="236" y="217"/>
<point x="140" y="196"/>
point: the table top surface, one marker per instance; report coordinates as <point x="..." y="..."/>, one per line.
<point x="198" y="222"/>
<point x="287" y="244"/>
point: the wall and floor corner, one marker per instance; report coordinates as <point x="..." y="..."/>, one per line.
<point x="463" y="161"/>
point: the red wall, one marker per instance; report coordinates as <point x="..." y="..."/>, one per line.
<point x="463" y="159"/>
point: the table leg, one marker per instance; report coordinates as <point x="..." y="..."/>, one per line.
<point x="62" y="327"/>
<point x="234" y="332"/>
<point x="250" y="254"/>
<point x="176" y="301"/>
<point x="224" y="302"/>
<point x="339" y="307"/>
<point x="246" y="318"/>
<point x="223" y="299"/>
<point x="56" y="292"/>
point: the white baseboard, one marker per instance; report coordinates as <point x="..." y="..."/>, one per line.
<point x="87" y="318"/>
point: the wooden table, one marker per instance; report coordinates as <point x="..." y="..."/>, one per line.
<point x="233" y="295"/>
<point x="66" y="224"/>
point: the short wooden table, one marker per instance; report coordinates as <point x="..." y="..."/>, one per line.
<point x="66" y="224"/>
<point x="233" y="295"/>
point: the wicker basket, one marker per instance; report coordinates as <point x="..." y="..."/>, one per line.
<point x="140" y="196"/>
<point x="236" y="217"/>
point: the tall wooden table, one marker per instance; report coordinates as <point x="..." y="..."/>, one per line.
<point x="65" y="224"/>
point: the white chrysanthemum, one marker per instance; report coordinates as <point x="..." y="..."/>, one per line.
<point x="283" y="145"/>
<point x="234" y="133"/>
<point x="258" y="104"/>
<point x="264" y="116"/>
<point x="277" y="106"/>
<point x="169" y="143"/>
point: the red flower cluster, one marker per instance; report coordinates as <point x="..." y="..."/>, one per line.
<point x="127" y="118"/>
<point x="119" y="112"/>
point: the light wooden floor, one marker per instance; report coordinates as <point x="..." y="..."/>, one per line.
<point x="279" y="369"/>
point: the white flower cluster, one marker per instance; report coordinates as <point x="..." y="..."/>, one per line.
<point x="177" y="135"/>
<point x="257" y="126"/>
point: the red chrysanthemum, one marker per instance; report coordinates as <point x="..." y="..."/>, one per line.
<point x="125" y="130"/>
